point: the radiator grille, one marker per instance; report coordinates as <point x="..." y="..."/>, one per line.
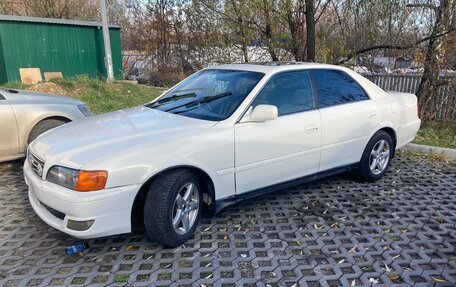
<point x="36" y="164"/>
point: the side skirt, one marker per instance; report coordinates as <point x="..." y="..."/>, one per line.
<point x="227" y="201"/>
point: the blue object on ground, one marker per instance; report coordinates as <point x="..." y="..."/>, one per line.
<point x="77" y="248"/>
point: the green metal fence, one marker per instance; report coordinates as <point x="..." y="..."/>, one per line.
<point x="71" y="47"/>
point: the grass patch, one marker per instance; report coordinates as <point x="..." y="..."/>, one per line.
<point x="17" y="86"/>
<point x="100" y="96"/>
<point x="121" y="278"/>
<point x="438" y="160"/>
<point x="437" y="134"/>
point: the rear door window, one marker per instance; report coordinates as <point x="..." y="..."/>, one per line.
<point x="336" y="87"/>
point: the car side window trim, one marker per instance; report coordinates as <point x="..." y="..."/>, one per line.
<point x="341" y="104"/>
<point x="267" y="82"/>
<point x="2" y="97"/>
<point x="317" y="95"/>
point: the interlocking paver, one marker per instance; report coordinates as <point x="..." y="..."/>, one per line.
<point x="398" y="231"/>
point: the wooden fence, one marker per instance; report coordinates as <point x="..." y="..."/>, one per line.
<point x="444" y="106"/>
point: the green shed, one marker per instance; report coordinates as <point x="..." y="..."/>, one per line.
<point x="55" y="45"/>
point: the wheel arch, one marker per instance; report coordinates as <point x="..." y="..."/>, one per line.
<point x="42" y="119"/>
<point x="390" y="131"/>
<point x="392" y="134"/>
<point x="137" y="209"/>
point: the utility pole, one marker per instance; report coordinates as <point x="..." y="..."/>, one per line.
<point x="107" y="42"/>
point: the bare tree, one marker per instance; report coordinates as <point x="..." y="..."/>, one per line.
<point x="62" y="9"/>
<point x="310" y="27"/>
<point x="444" y="23"/>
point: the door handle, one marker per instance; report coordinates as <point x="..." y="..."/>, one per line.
<point x="373" y="115"/>
<point x="311" y="130"/>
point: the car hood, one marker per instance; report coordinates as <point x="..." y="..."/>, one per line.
<point x="89" y="139"/>
<point x="31" y="97"/>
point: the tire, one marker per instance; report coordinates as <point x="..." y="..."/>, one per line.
<point x="375" y="164"/>
<point x="42" y="127"/>
<point x="162" y="206"/>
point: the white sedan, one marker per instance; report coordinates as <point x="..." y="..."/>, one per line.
<point x="224" y="134"/>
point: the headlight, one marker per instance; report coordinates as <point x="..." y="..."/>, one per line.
<point x="85" y="110"/>
<point x="79" y="180"/>
<point x="63" y="176"/>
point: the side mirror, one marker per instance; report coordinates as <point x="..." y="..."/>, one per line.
<point x="262" y="113"/>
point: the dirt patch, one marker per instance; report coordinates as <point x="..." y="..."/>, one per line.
<point x="49" y="88"/>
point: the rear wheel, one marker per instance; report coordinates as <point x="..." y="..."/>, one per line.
<point x="44" y="126"/>
<point x="376" y="157"/>
<point x="173" y="207"/>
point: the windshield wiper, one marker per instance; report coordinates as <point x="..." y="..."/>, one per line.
<point x="170" y="99"/>
<point x="202" y="101"/>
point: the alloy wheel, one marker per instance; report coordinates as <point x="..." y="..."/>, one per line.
<point x="185" y="210"/>
<point x="379" y="157"/>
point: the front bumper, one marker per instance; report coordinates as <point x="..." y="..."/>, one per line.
<point x="110" y="209"/>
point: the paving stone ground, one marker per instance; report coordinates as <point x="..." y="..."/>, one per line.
<point x="398" y="231"/>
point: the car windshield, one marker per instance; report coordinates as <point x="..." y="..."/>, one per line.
<point x="212" y="94"/>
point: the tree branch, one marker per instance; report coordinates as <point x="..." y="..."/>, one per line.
<point x="423" y="5"/>
<point x="395" y="47"/>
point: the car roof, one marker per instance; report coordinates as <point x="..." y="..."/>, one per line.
<point x="267" y="67"/>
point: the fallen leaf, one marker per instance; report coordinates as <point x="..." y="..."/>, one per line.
<point x="394" y="277"/>
<point x="438" y="279"/>
<point x="129" y="248"/>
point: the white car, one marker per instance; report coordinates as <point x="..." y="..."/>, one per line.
<point x="223" y="134"/>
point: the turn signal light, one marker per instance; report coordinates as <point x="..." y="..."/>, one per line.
<point x="91" y="180"/>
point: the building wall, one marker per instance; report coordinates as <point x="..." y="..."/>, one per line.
<point x="3" y="78"/>
<point x="70" y="49"/>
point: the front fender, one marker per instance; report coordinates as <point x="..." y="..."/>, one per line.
<point x="137" y="160"/>
<point x="28" y="117"/>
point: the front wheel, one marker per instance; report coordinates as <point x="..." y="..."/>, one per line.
<point x="44" y="126"/>
<point x="376" y="157"/>
<point x="173" y="207"/>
